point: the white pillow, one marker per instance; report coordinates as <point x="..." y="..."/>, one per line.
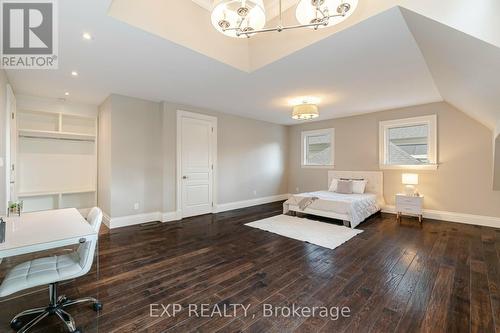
<point x="358" y="186"/>
<point x="333" y="185"/>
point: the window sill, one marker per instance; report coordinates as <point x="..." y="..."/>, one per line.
<point x="409" y="167"/>
<point x="305" y="166"/>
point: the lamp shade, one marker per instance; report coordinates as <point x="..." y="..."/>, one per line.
<point x="410" y="179"/>
<point x="307" y="13"/>
<point x="227" y="15"/>
<point x="305" y="111"/>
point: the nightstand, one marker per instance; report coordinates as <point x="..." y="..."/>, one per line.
<point x="409" y="205"/>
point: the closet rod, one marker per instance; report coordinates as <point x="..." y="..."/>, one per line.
<point x="63" y="139"/>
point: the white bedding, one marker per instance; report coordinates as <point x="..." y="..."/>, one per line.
<point x="356" y="206"/>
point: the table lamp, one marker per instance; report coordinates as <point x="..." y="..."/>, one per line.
<point x="410" y="180"/>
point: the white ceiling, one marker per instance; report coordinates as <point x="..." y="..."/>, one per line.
<point x="272" y="6"/>
<point x="466" y="70"/>
<point x="372" y="66"/>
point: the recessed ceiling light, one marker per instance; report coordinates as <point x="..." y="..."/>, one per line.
<point x="66" y="93"/>
<point x="74" y="73"/>
<point x="87" y="36"/>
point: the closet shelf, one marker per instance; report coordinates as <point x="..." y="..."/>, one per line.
<point x="48" y="193"/>
<point x="55" y="135"/>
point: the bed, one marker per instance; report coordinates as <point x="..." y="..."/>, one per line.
<point x="352" y="209"/>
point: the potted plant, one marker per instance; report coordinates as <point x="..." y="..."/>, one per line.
<point x="15" y="207"/>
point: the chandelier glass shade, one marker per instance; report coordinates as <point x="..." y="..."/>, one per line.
<point x="305" y="111"/>
<point x="238" y="18"/>
<point x="324" y="13"/>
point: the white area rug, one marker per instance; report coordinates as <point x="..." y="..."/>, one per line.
<point x="319" y="233"/>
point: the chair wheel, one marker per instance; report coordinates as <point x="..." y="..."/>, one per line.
<point x="97" y="306"/>
<point x="16" y="325"/>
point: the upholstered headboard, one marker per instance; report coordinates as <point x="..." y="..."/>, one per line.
<point x="375" y="180"/>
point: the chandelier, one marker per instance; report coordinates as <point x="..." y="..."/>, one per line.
<point x="244" y="18"/>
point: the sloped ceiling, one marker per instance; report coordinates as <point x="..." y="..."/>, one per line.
<point x="189" y="25"/>
<point x="466" y="70"/>
<point x="356" y="71"/>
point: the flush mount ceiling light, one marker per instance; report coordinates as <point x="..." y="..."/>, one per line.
<point x="244" y="18"/>
<point x="305" y="111"/>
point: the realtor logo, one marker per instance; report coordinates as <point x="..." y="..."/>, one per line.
<point x="29" y="34"/>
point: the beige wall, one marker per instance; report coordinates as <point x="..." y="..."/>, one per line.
<point x="137" y="156"/>
<point x="130" y="170"/>
<point x="104" y="157"/>
<point x="462" y="183"/>
<point x="136" y="150"/>
<point x="496" y="165"/>
<point x="3" y="129"/>
<point x="252" y="156"/>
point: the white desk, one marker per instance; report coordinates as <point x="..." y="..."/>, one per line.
<point x="39" y="231"/>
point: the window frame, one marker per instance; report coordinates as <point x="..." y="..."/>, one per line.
<point x="430" y="121"/>
<point x="303" y="156"/>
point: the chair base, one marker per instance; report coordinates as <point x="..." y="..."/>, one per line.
<point x="56" y="307"/>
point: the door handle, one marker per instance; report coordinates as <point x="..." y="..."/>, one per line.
<point x="184" y="177"/>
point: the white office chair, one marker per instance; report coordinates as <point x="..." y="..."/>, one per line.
<point x="51" y="270"/>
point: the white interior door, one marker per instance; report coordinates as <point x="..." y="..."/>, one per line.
<point x="197" y="147"/>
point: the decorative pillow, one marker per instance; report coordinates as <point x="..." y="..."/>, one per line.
<point x="333" y="185"/>
<point x="344" y="187"/>
<point x="358" y="186"/>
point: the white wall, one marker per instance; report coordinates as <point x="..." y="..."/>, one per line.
<point x="3" y="132"/>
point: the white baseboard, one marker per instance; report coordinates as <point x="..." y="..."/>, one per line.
<point x="171" y="216"/>
<point x="487" y="221"/>
<point x="106" y="220"/>
<point x="124" y="221"/>
<point x="251" y="202"/>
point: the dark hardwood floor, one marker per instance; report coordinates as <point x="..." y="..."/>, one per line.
<point x="394" y="277"/>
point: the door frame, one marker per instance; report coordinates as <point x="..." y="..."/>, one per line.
<point x="186" y="114"/>
<point x="11" y="117"/>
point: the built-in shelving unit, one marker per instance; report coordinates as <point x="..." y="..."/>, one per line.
<point x="56" y="160"/>
<point x="55" y="135"/>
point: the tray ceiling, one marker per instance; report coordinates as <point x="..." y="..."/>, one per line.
<point x="272" y="6"/>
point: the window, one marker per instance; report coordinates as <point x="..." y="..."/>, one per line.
<point x="317" y="148"/>
<point x="408" y="143"/>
